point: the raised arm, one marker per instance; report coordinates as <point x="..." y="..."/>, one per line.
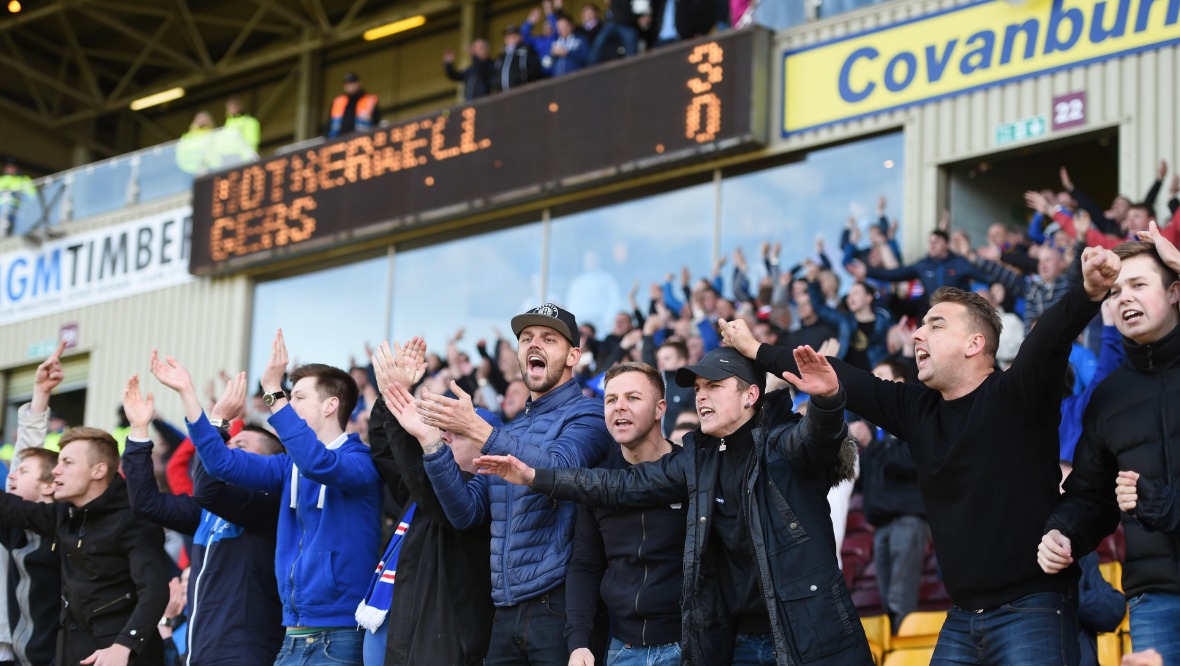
<point x="254" y="510"/>
<point x="33" y="418"/>
<point x="240" y="468"/>
<point x="645" y="485"/>
<point x="1040" y="364"/>
<point x="815" y="444"/>
<point x="176" y="512"/>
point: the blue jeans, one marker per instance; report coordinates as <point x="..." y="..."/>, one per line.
<point x="531" y="632"/>
<point x="1034" y="630"/>
<point x="341" y="646"/>
<point x="754" y="650"/>
<point x="374" y="644"/>
<point x="1155" y="621"/>
<point x="626" y="654"/>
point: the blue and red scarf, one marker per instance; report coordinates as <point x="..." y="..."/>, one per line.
<point x="371" y="612"/>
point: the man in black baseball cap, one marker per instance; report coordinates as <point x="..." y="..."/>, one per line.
<point x="759" y="539"/>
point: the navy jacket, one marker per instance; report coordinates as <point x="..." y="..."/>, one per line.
<point x="235" y="615"/>
<point x="34" y="594"/>
<point x="951" y="271"/>
<point x="531" y="535"/>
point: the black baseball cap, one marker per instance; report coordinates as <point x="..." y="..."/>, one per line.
<point x="351" y="77"/>
<point x="721" y="363"/>
<point x="549" y="316"/>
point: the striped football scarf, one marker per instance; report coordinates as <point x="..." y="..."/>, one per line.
<point x="371" y="612"/>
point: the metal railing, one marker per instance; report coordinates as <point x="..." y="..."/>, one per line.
<point x="126" y="180"/>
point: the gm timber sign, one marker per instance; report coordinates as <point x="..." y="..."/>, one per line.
<point x="977" y="45"/>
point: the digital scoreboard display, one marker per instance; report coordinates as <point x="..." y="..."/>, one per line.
<point x="682" y="103"/>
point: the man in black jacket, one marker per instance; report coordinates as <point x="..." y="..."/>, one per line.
<point x="114" y="570"/>
<point x="632" y="558"/>
<point x="518" y="65"/>
<point x="761" y="583"/>
<point x="441" y="611"/>
<point x="1129" y="453"/>
<point x="477" y="78"/>
<point x="985" y="445"/>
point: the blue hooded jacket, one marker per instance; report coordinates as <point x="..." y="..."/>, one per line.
<point x="531" y="534"/>
<point x="329" y="531"/>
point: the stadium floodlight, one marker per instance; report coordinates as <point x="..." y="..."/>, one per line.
<point x="393" y="28"/>
<point x="158" y="98"/>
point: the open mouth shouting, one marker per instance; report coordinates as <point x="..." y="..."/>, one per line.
<point x="921" y="356"/>
<point x="1130" y="315"/>
<point x="537" y="364"/>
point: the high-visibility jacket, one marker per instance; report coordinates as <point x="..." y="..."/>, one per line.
<point x="366" y="110"/>
<point x="248" y="126"/>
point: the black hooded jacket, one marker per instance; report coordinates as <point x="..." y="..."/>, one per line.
<point x="442" y="606"/>
<point x="1132" y="423"/>
<point x="114" y="573"/>
<point x="797" y="460"/>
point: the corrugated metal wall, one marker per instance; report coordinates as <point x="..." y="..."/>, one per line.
<point x="204" y="324"/>
<point x="1137" y="94"/>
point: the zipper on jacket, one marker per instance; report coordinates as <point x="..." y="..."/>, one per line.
<point x="125" y="597"/>
<point x="643" y="583"/>
<point x="192" y="620"/>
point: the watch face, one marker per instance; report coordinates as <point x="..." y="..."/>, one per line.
<point x="269" y="399"/>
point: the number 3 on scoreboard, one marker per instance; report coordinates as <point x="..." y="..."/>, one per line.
<point x="703" y="115"/>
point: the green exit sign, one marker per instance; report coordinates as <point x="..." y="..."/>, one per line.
<point x="1021" y="130"/>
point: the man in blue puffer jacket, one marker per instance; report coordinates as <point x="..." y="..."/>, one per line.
<point x="531" y="534"/>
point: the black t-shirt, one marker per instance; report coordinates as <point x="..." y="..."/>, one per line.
<point x="858" y="346"/>
<point x="737" y="563"/>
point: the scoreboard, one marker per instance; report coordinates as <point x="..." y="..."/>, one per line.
<point x="687" y="102"/>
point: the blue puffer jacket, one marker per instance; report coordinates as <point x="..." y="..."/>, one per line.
<point x="531" y="534"/>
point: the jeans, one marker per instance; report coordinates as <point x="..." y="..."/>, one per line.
<point x="340" y="646"/>
<point x="626" y="654"/>
<point x="1155" y="621"/>
<point x="531" y="632"/>
<point x="374" y="644"/>
<point x="899" y="548"/>
<point x="754" y="650"/>
<point x="1034" y="630"/>
<point x="611" y="32"/>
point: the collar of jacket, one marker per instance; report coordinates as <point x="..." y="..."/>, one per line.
<point x="114" y="498"/>
<point x="553" y="399"/>
<point x="1153" y="356"/>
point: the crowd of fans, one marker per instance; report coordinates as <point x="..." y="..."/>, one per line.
<point x="416" y="463"/>
<point x="552" y="41"/>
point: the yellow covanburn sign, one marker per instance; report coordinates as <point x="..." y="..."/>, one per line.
<point x="977" y="45"/>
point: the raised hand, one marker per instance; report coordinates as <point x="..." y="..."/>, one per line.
<point x="1066" y="181"/>
<point x="402" y="365"/>
<point x="139" y="410"/>
<point x="1037" y="201"/>
<point x="48" y="376"/>
<point x="737" y="334"/>
<point x="1100" y="268"/>
<point x="830" y="347"/>
<point x="816" y="376"/>
<point x="456" y="415"/>
<point x="509" y="468"/>
<point x="401" y="405"/>
<point x="171" y="373"/>
<point x="857" y="269"/>
<point x="232" y="403"/>
<point x="1163" y="247"/>
<point x="1162" y="173"/>
<point x="276" y="367"/>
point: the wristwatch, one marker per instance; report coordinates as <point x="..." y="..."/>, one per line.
<point x="269" y="398"/>
<point x="220" y="424"/>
